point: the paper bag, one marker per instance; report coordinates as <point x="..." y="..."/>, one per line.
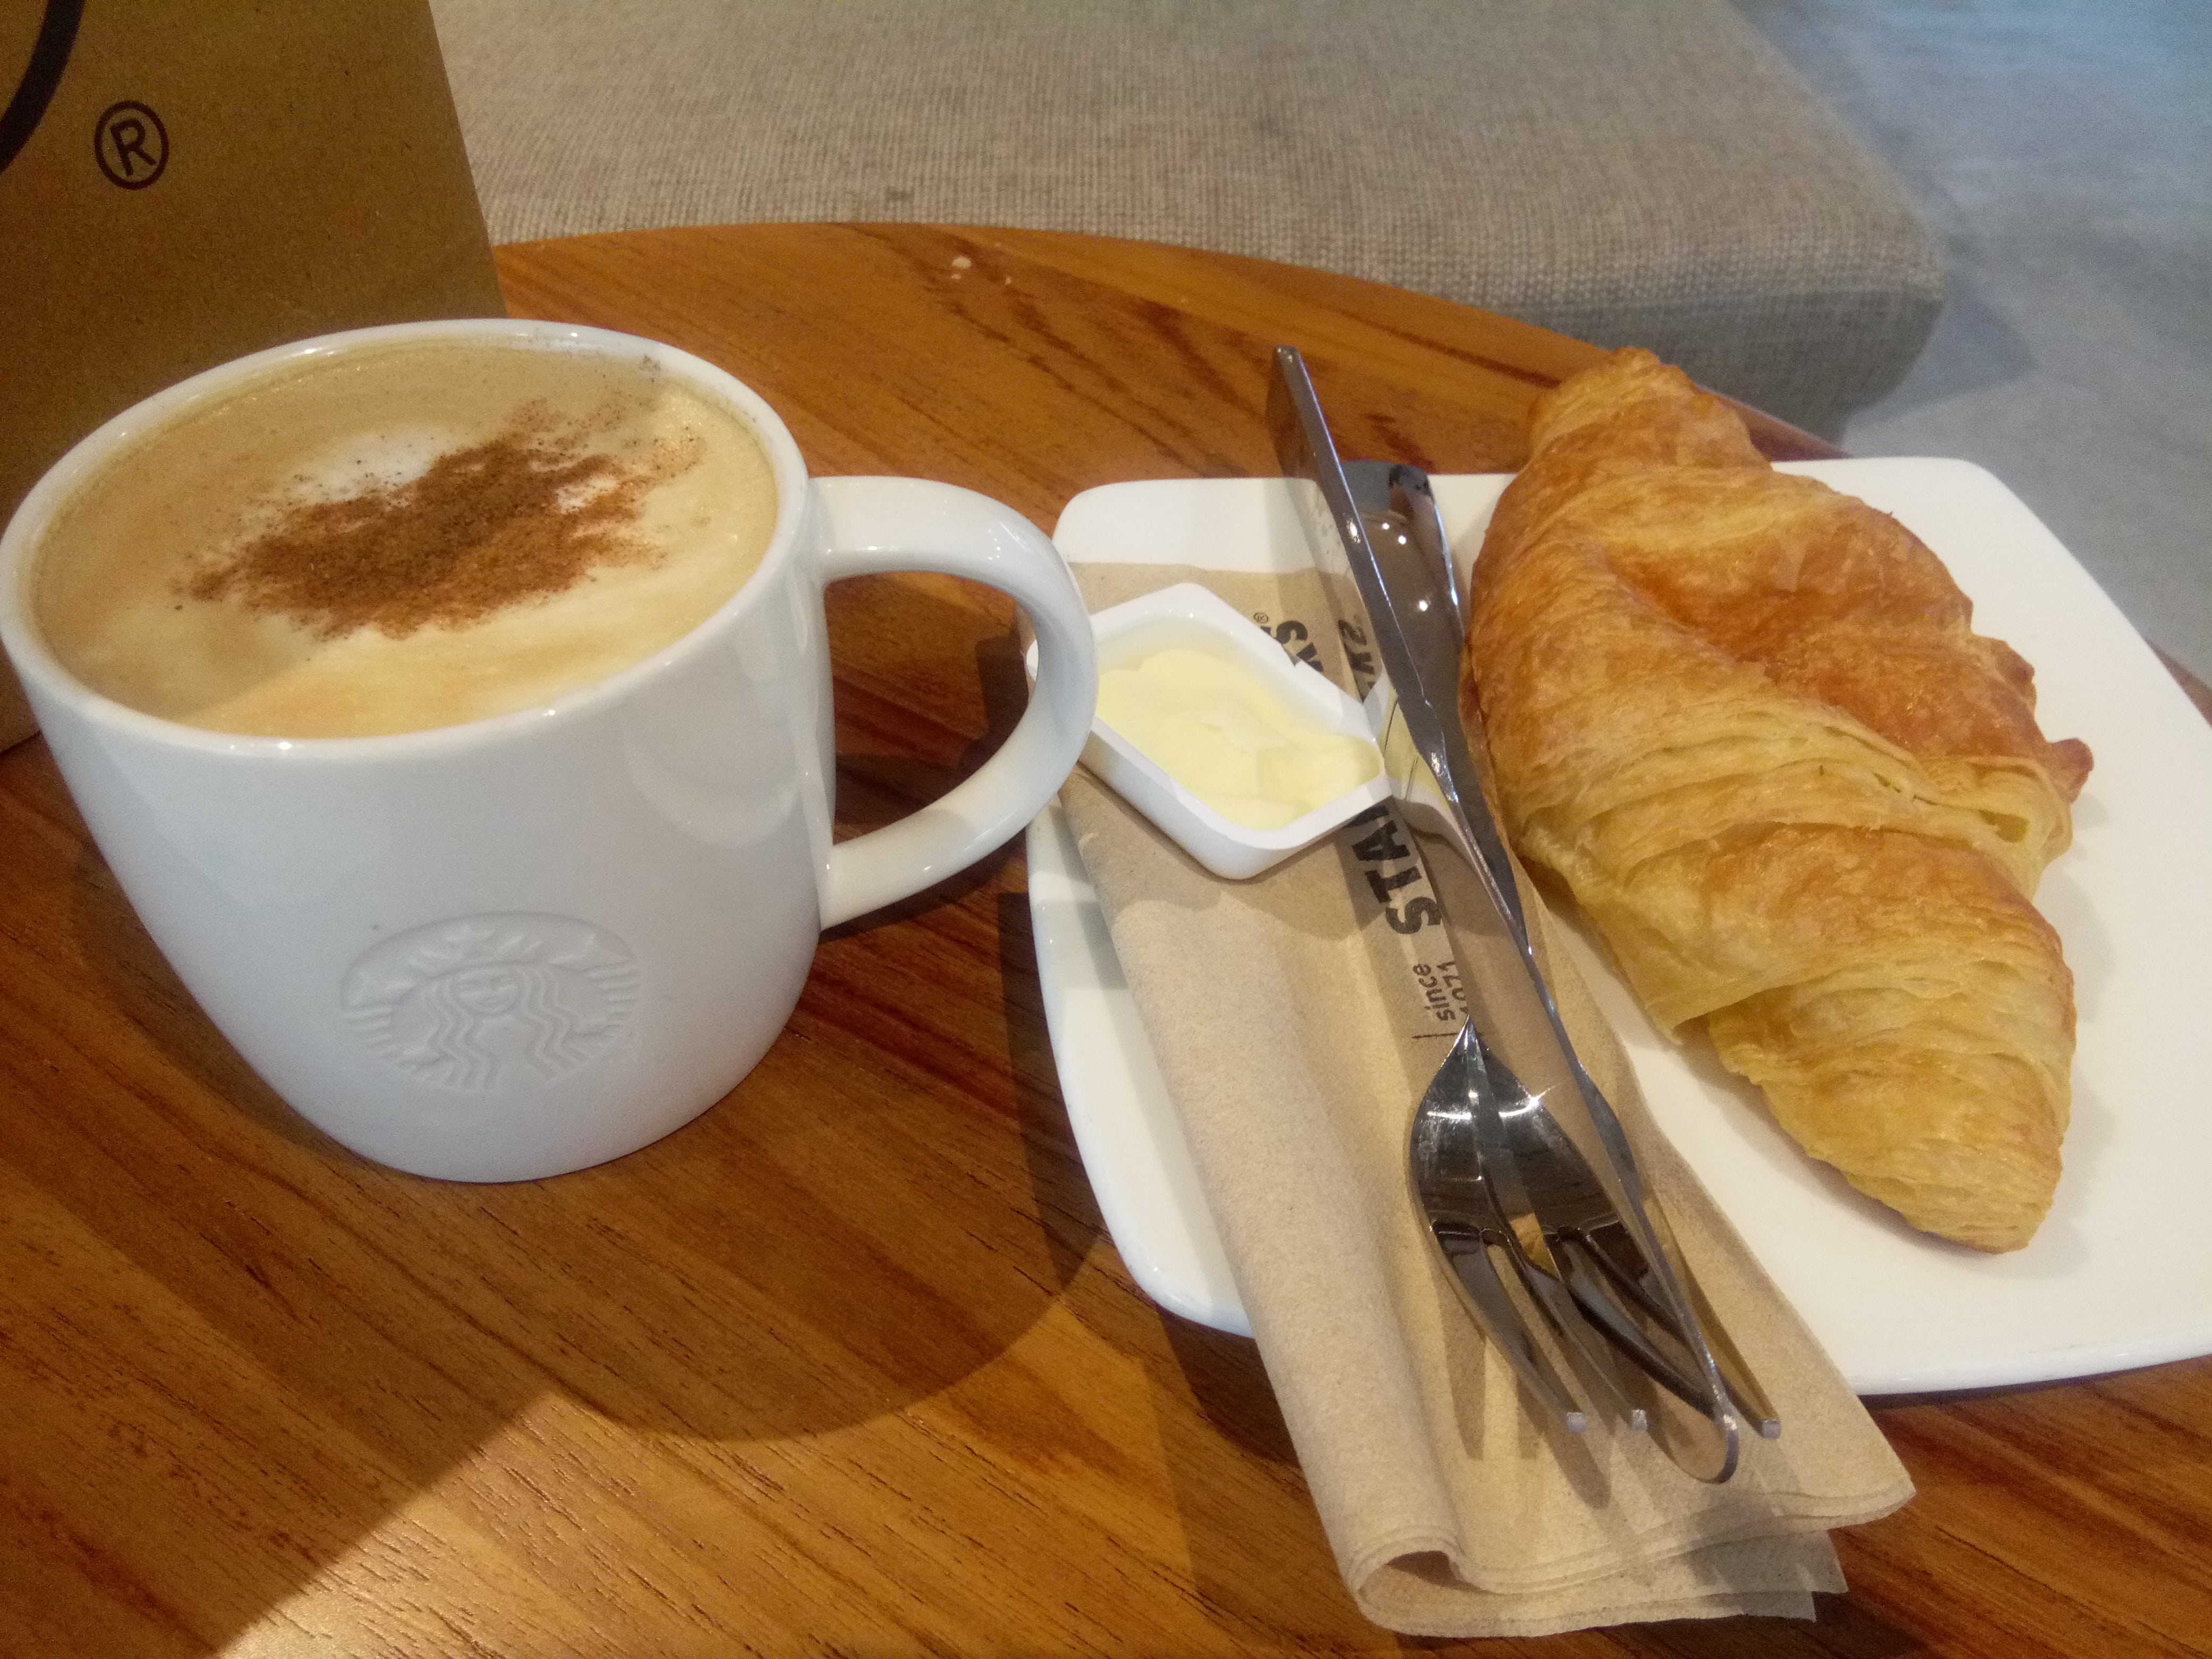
<point x="183" y="184"/>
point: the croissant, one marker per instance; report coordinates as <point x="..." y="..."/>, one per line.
<point x="1746" y="722"/>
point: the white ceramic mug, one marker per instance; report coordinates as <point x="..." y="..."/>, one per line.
<point x="526" y="944"/>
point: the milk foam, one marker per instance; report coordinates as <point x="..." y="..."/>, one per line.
<point x="114" y="566"/>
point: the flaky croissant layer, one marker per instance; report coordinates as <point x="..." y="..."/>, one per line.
<point x="1746" y="720"/>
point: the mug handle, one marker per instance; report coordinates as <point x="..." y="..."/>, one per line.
<point x="878" y="525"/>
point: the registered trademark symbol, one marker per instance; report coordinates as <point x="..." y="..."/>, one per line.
<point x="131" y="144"/>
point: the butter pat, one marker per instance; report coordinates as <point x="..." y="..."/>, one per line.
<point x="1239" y="755"/>
<point x="1214" y="726"/>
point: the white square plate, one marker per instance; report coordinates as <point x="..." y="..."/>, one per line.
<point x="2121" y="1273"/>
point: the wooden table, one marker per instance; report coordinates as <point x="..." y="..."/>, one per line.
<point x="849" y="1365"/>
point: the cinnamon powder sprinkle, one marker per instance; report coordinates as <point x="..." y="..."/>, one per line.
<point x="521" y="517"/>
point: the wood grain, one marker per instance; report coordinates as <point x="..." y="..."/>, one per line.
<point x="848" y="1366"/>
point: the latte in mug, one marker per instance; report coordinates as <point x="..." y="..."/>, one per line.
<point x="391" y="540"/>
<point x="475" y="948"/>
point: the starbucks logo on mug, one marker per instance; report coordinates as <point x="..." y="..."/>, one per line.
<point x="468" y="1002"/>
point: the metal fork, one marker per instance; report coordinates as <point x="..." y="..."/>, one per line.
<point x="1590" y="1253"/>
<point x="1499" y="1181"/>
<point x="1454" y="1183"/>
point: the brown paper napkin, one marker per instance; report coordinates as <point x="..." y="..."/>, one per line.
<point x="1297" y="1018"/>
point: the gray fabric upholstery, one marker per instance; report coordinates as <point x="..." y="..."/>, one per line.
<point x="1645" y="173"/>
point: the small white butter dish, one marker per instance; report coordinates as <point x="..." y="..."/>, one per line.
<point x="1188" y="615"/>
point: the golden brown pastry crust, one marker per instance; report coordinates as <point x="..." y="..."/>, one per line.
<point x="1746" y="721"/>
